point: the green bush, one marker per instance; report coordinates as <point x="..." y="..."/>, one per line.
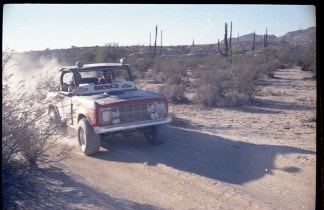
<point x="225" y="84"/>
<point x="175" y="93"/>
<point x="140" y="64"/>
<point x="172" y="71"/>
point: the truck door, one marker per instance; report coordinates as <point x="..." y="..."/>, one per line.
<point x="66" y="108"/>
<point x="65" y="105"/>
<point x="75" y="104"/>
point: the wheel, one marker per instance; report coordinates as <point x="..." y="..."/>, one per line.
<point x="88" y="141"/>
<point x="55" y="123"/>
<point x="155" y="134"/>
<point x="53" y="118"/>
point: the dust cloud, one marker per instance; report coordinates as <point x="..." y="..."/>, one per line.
<point x="28" y="81"/>
<point x="24" y="73"/>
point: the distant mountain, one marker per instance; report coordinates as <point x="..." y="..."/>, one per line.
<point x="300" y="37"/>
<point x="249" y="37"/>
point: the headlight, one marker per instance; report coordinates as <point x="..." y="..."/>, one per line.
<point x="157" y="110"/>
<point x="106" y="115"/>
<point x="160" y="109"/>
<point x="151" y="108"/>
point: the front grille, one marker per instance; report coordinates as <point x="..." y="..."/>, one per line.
<point x="133" y="113"/>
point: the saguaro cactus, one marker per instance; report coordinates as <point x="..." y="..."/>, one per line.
<point x="228" y="46"/>
<point x="230" y="41"/>
<point x="253" y="47"/>
<point x="154" y="52"/>
<point x="265" y="41"/>
<point x="161" y="44"/>
<point x="154" y="48"/>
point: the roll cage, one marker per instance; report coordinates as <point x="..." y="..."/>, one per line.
<point x="99" y="67"/>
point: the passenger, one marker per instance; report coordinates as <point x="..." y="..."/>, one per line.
<point x="107" y="76"/>
<point x="76" y="79"/>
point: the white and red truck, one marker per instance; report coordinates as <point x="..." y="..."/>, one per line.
<point x="98" y="110"/>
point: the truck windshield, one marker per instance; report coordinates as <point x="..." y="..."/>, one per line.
<point x="119" y="74"/>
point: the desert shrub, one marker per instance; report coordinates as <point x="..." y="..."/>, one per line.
<point x="172" y="67"/>
<point x="26" y="132"/>
<point x="175" y="93"/>
<point x="106" y="54"/>
<point x="217" y="80"/>
<point x="27" y="137"/>
<point x="87" y="57"/>
<point x="222" y="83"/>
<point x="140" y="65"/>
<point x="288" y="56"/>
<point x="156" y="73"/>
<point x="280" y="56"/>
<point x="173" y="73"/>
<point x="309" y="57"/>
<point x="265" y="61"/>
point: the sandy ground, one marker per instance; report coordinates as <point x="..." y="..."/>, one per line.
<point x="260" y="156"/>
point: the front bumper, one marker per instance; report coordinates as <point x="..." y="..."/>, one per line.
<point x="134" y="125"/>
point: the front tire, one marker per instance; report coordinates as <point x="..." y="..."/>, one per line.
<point x="55" y="124"/>
<point x="155" y="134"/>
<point x="88" y="141"/>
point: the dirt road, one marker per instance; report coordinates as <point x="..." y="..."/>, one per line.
<point x="260" y="156"/>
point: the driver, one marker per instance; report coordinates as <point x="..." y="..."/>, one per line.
<point x="107" y="77"/>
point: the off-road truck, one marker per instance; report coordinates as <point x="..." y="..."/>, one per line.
<point x="98" y="111"/>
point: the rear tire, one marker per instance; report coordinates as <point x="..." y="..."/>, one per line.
<point x="53" y="118"/>
<point x="155" y="134"/>
<point x="55" y="123"/>
<point x="88" y="141"/>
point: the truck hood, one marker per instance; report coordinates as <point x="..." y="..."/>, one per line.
<point x="119" y="96"/>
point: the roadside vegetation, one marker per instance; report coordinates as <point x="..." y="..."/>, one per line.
<point x="222" y="81"/>
<point x="204" y="79"/>
<point x="27" y="135"/>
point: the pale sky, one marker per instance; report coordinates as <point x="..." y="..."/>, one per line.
<point x="55" y="26"/>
